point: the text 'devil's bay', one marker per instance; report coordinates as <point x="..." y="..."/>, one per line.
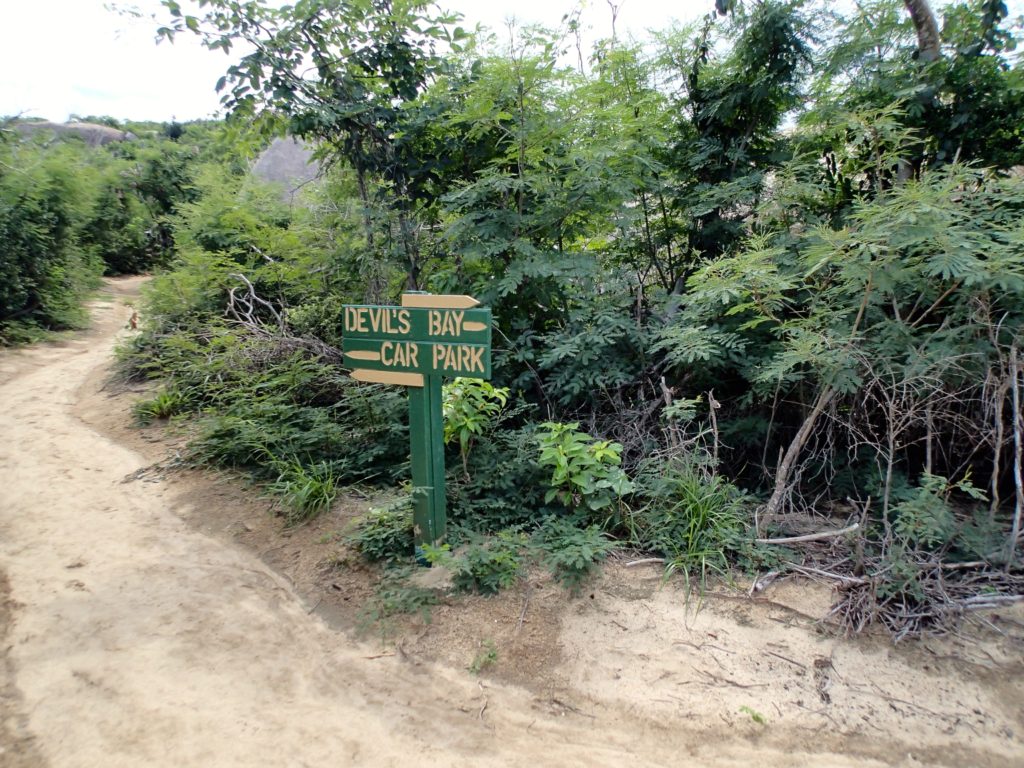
<point x="471" y="326"/>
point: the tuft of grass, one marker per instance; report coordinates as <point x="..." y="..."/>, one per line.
<point x="486" y="657"/>
<point x="395" y="596"/>
<point x="166" y="403"/>
<point x="693" y="518"/>
<point x="304" y="492"/>
<point x="756" y="716"/>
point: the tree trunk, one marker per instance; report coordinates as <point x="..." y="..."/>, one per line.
<point x="789" y="459"/>
<point x="1018" y="458"/>
<point x="927" y="27"/>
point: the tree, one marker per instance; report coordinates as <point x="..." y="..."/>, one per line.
<point x="343" y="72"/>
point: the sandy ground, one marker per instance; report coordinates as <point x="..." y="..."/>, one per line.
<point x="154" y="618"/>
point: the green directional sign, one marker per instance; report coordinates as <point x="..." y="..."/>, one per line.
<point x="415" y="345"/>
<point x="444" y="342"/>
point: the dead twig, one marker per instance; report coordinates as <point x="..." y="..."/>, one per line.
<point x="727" y="681"/>
<point x="810" y="536"/>
<point x="786" y="658"/>
<point x="522" y="613"/>
<point x="645" y="561"/>
<point x="571" y="708"/>
<point x="483" y="707"/>
<point x="809" y="571"/>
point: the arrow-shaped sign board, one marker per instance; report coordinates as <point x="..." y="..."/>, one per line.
<point x="468" y="360"/>
<point x="472" y="326"/>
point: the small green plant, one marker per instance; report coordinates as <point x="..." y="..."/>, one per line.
<point x="166" y="403"/>
<point x="486" y="564"/>
<point x="469" y="406"/>
<point x="395" y="596"/>
<point x="756" y="716"/>
<point x="304" y="491"/>
<point x="584" y="471"/>
<point x="925" y="518"/>
<point x="385" y="533"/>
<point x="486" y="657"/>
<point x="571" y="553"/>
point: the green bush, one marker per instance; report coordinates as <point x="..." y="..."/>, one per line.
<point x="569" y="552"/>
<point x="470" y="406"/>
<point x="44" y="272"/>
<point x="484" y="564"/>
<point x="584" y="471"/>
<point x="385" y="533"/>
<point x="506" y="484"/>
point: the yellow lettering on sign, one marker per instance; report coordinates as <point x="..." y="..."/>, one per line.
<point x="445" y="323"/>
<point x="477" y="359"/>
<point x="404" y="326"/>
<point x="396" y="354"/>
<point x="458" y="358"/>
<point x="390" y="320"/>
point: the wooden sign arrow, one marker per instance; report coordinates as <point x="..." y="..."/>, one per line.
<point x="388" y="377"/>
<point x="439" y="301"/>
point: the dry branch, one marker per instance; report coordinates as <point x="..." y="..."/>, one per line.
<point x="810" y="536"/>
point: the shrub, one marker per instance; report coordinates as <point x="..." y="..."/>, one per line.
<point x="584" y="471"/>
<point x="385" y="533"/>
<point x="506" y="484"/>
<point x="470" y="405"/>
<point x="571" y="553"/>
<point x="486" y="564"/>
<point x="44" y="272"/>
<point x="395" y="596"/>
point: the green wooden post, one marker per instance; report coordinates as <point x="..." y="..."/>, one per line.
<point x="419" y="458"/>
<point x="438" y="506"/>
<point x="426" y="455"/>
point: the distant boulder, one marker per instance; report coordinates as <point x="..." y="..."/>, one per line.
<point x="92" y="134"/>
<point x="288" y="162"/>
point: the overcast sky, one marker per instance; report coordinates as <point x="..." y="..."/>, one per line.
<point x="61" y="57"/>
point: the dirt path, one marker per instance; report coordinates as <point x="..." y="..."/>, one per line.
<point x="130" y="638"/>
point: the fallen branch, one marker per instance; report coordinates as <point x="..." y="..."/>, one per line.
<point x="980" y="602"/>
<point x="522" y="613"/>
<point x="786" y="658"/>
<point x="807" y="570"/>
<point x="645" y="561"/>
<point x="810" y="536"/>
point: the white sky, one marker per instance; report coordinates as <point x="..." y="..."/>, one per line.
<point x="61" y="57"/>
